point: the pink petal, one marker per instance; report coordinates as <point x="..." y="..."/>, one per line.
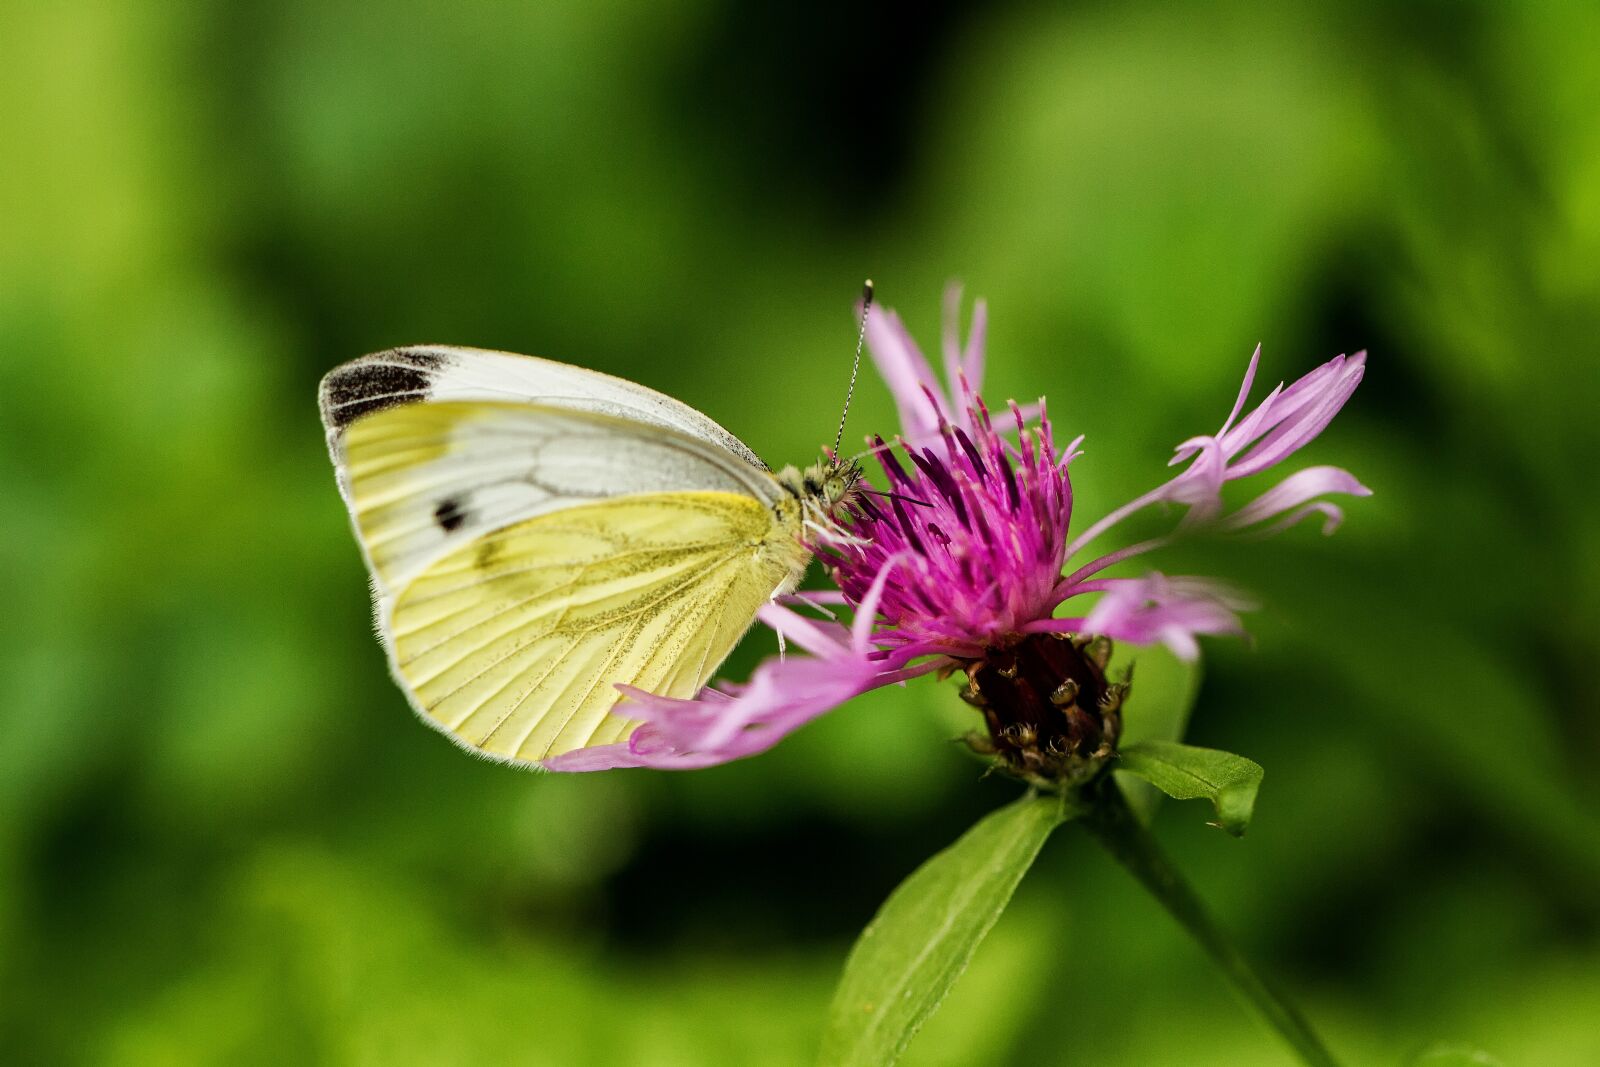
<point x="714" y="728"/>
<point x="1333" y="516"/>
<point x="867" y="610"/>
<point x="977" y="335"/>
<point x="1279" y="426"/>
<point x="1244" y="391"/>
<point x="1306" y="412"/>
<point x="905" y="371"/>
<point x="599" y="758"/>
<point x="1295" y="490"/>
<point x="814" y="635"/>
<point x="1170" y="611"/>
<point x="921" y="400"/>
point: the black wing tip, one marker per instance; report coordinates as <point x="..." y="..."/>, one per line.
<point x="378" y="381"/>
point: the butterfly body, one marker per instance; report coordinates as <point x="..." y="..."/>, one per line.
<point x="538" y="533"/>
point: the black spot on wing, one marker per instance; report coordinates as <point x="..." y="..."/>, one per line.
<point x="449" y="514"/>
<point x="373" y="383"/>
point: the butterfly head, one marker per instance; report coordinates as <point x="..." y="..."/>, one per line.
<point x="823" y="488"/>
<point x="837" y="483"/>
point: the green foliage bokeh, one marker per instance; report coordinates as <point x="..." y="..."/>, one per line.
<point x="223" y="838"/>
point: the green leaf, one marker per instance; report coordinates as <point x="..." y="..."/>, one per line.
<point x="924" y="936"/>
<point x="1185" y="772"/>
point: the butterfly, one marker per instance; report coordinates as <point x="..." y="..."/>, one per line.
<point x="538" y="533"/>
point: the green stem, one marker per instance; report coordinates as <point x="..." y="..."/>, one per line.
<point x="1116" y="827"/>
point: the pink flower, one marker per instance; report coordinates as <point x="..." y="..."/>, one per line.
<point x="959" y="565"/>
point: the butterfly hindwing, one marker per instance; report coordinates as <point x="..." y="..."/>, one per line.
<point x="514" y="643"/>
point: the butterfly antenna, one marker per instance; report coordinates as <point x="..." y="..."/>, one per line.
<point x="861" y="336"/>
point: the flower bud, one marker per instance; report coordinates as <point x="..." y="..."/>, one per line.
<point x="1053" y="718"/>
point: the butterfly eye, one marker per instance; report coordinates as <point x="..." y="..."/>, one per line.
<point x="834" y="489"/>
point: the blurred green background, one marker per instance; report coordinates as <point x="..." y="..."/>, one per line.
<point x="224" y="838"/>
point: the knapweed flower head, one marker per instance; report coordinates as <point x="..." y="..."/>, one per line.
<point x="966" y="561"/>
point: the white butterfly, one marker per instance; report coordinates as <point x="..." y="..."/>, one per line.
<point x="537" y="533"/>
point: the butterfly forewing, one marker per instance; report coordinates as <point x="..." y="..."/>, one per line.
<point x="426" y="477"/>
<point x="439" y="373"/>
